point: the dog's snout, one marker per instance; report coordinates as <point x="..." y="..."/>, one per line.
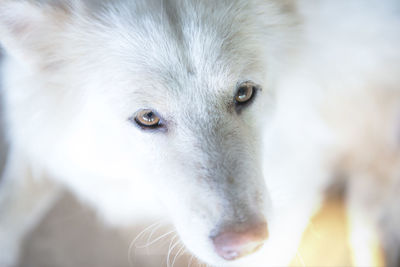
<point x="233" y="242"/>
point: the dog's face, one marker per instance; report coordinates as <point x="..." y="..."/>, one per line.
<point x="187" y="86"/>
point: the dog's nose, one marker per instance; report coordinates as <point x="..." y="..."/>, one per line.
<point x="233" y="243"/>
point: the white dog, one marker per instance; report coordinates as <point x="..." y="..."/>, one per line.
<point x="234" y="113"/>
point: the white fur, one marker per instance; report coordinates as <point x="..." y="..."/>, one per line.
<point x="75" y="72"/>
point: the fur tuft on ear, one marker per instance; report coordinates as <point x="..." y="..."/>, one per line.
<point x="25" y="25"/>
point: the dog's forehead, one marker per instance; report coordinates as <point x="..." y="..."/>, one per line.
<point x="181" y="48"/>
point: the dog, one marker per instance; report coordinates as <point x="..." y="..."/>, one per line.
<point x="230" y="113"/>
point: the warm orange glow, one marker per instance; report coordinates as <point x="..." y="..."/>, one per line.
<point x="326" y="242"/>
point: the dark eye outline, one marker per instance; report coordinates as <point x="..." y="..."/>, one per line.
<point x="159" y="124"/>
<point x="246" y="85"/>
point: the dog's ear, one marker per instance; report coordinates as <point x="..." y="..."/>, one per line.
<point x="28" y="29"/>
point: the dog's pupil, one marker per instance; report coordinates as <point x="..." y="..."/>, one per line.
<point x="243" y="92"/>
<point x="149" y="117"/>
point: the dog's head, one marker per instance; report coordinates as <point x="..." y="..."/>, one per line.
<point x="187" y="86"/>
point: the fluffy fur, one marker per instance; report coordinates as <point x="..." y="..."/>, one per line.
<point x="75" y="72"/>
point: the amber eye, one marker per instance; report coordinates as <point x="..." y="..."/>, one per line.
<point x="147" y="118"/>
<point x="245" y="92"/>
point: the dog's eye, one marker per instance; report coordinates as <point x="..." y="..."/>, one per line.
<point x="245" y="92"/>
<point x="147" y="118"/>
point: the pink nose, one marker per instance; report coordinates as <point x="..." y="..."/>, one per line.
<point x="231" y="244"/>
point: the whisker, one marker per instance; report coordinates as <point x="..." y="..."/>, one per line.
<point x="144" y="231"/>
<point x="157" y="239"/>
<point x="136" y="238"/>
<point x="150" y="236"/>
<point x="171" y="247"/>
<point x="177" y="254"/>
